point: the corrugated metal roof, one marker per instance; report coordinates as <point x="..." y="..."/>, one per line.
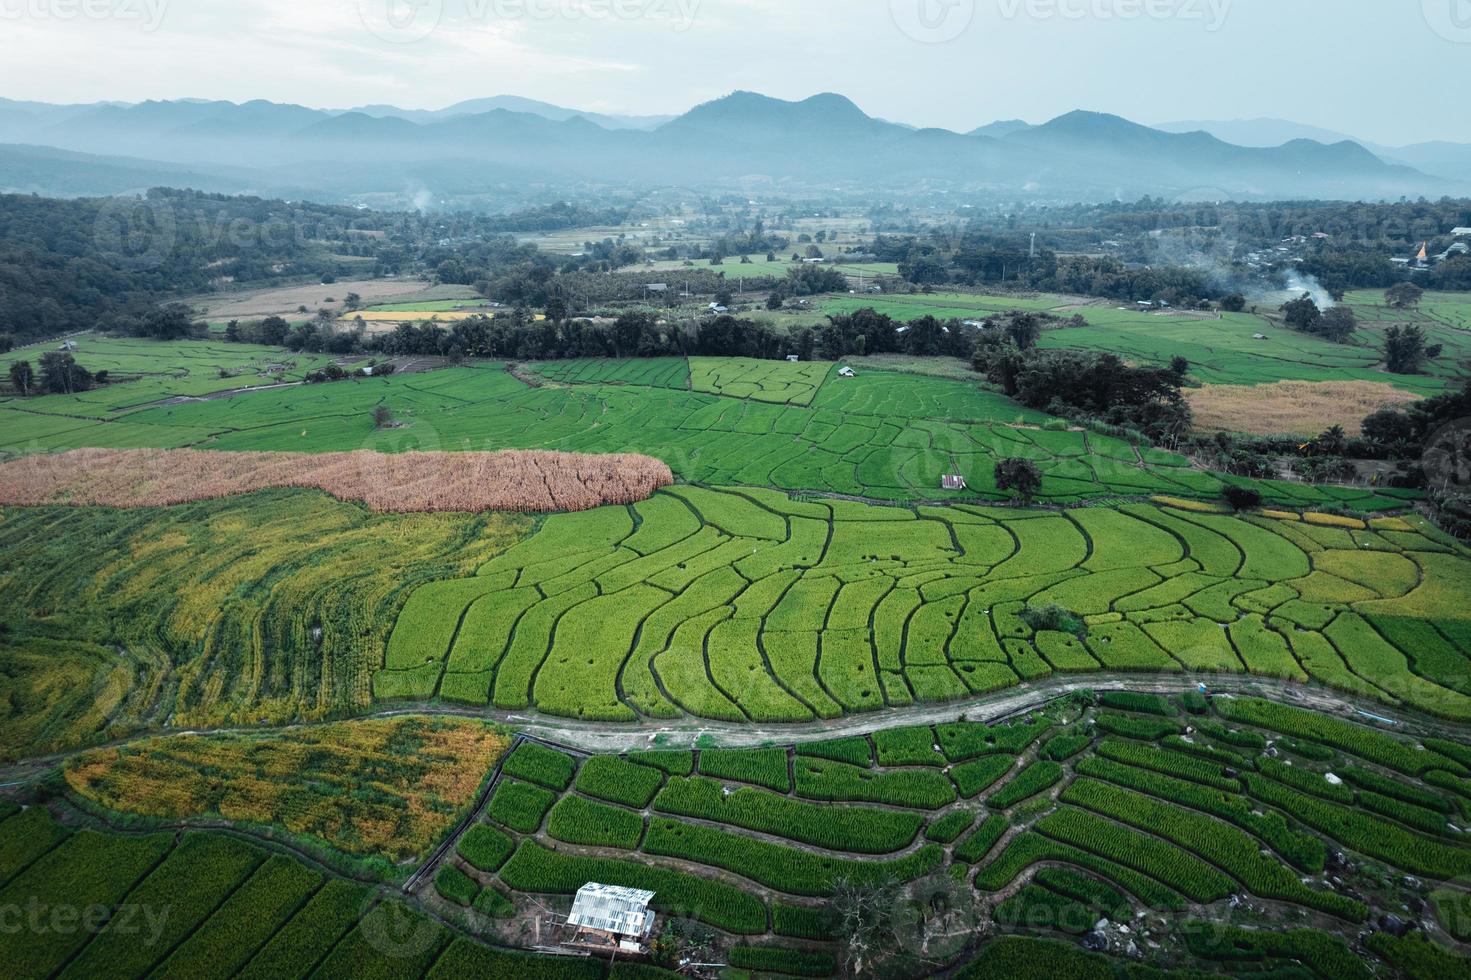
<point x="612" y="908"/>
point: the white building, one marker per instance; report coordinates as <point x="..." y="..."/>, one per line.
<point x="612" y="915"/>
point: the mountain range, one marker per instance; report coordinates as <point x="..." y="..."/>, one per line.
<point x="489" y="151"/>
<point x="1439" y="157"/>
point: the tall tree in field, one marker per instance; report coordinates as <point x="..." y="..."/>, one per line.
<point x="1301" y="313"/>
<point x="1020" y="476"/>
<point x="22" y="376"/>
<point x="62" y="375"/>
<point x="1403" y="295"/>
<point x="1336" y="324"/>
<point x="1404" y="349"/>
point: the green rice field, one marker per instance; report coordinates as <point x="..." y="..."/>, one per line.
<point x="747" y="605"/>
<point x="1140" y="823"/>
<point x="882" y="435"/>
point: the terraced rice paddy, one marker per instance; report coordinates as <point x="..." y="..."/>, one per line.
<point x="204" y="907"/>
<point x="1256" y="808"/>
<point x="781" y="382"/>
<point x="271" y="607"/>
<point x="747" y="605"/>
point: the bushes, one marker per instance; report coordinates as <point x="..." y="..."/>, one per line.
<point x="1164" y="862"/>
<point x="800" y="922"/>
<point x="982" y="839"/>
<point x="965" y="740"/>
<point x="950" y="826"/>
<point x="322" y="921"/>
<point x="783" y="868"/>
<point x="1377" y="838"/>
<point x="1062" y="747"/>
<point x="580" y="821"/>
<point x="978" y="775"/>
<point x="520" y="806"/>
<point x="797" y="962"/>
<point x="86" y="868"/>
<point x="535" y="869"/>
<point x="467" y="958"/>
<point x="1168" y="762"/>
<point x="674" y="762"/>
<point x="1224" y="846"/>
<point x="485" y="847"/>
<point x="1327" y="955"/>
<point x="455" y="885"/>
<point x="907" y="747"/>
<point x="1303" y="850"/>
<point x="1354" y="739"/>
<point x="252" y="914"/>
<point x="859" y="829"/>
<point x="1029" y="782"/>
<point x="763" y="767"/>
<point x="1027" y="849"/>
<point x="1132" y="726"/>
<point x="610" y="778"/>
<point x="854" y="751"/>
<point x="540" y="764"/>
<point x="819" y="779"/>
<point x="1151" y="704"/>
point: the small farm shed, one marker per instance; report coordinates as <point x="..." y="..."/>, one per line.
<point x="952" y="481"/>
<point x="612" y="915"/>
<point x="846" y="372"/>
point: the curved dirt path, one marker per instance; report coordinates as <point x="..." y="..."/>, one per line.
<point x="615" y="737"/>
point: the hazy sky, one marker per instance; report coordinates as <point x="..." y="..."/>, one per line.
<point x="1393" y="71"/>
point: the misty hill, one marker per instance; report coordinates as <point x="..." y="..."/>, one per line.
<point x="515" y="103"/>
<point x="825" y="141"/>
<point x="1261" y="132"/>
<point x="1440" y="158"/>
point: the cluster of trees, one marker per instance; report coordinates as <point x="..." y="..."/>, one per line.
<point x="517" y="336"/>
<point x="977" y="258"/>
<point x="1337" y="323"/>
<point x="1087" y="386"/>
<point x="108" y="263"/>
<point x="60" y="374"/>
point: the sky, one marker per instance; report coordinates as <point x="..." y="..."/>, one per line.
<point x="1387" y="71"/>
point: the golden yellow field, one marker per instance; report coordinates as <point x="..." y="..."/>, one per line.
<point x="1291" y="407"/>
<point x="399" y="483"/>
<point x="378" y="787"/>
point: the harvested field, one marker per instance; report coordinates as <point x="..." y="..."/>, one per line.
<point x="286" y="300"/>
<point x="1292" y="407"/>
<point x="396" y="483"/>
